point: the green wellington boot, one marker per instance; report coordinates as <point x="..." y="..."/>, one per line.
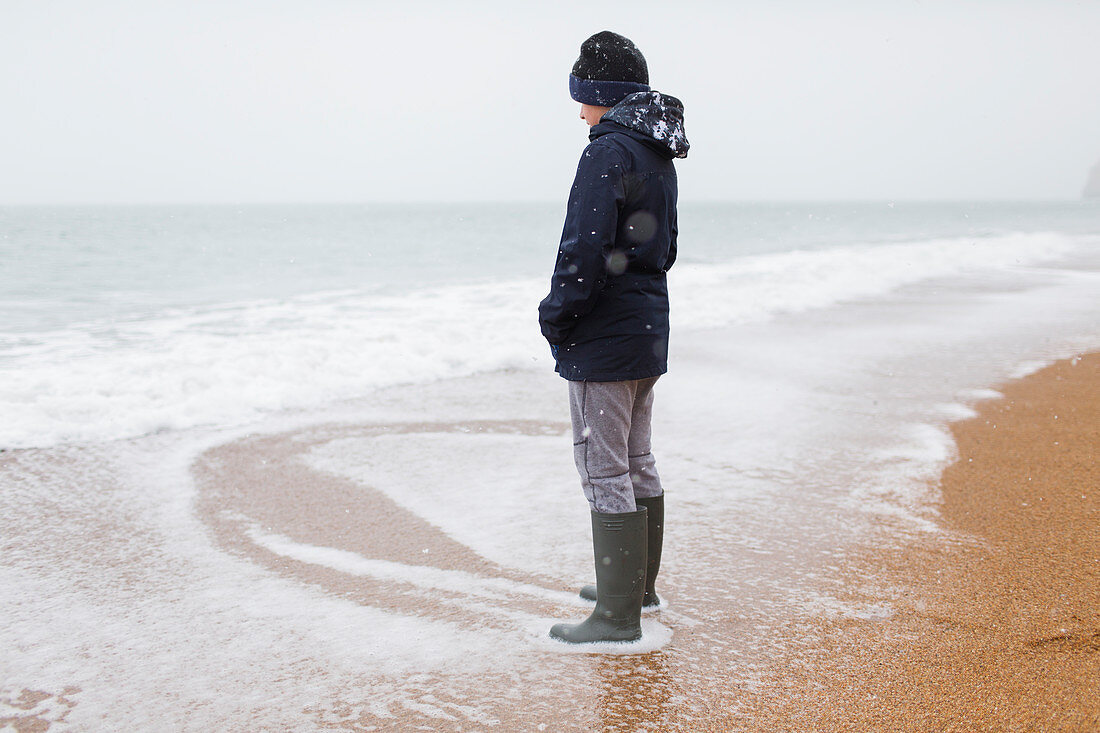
<point x="619" y="550"/>
<point x="655" y="533"/>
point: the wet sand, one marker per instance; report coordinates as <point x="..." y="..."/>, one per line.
<point x="989" y="622"/>
<point x="263" y="482"/>
<point x="992" y="623"/>
<point x="997" y="627"/>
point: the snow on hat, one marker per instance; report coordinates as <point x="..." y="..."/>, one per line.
<point x="609" y="69"/>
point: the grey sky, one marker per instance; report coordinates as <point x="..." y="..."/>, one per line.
<point x="110" y="101"/>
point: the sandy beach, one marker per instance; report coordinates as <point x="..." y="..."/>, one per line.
<point x="997" y="626"/>
<point x="980" y="616"/>
<point x="991" y="624"/>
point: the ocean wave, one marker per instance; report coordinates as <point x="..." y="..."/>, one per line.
<point x="229" y="363"/>
<point x="762" y="286"/>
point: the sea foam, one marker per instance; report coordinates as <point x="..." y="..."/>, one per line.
<point x="231" y="362"/>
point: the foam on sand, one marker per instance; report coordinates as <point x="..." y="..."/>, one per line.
<point x="531" y="627"/>
<point x="421" y="576"/>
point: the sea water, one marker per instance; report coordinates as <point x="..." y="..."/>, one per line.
<point x="117" y="322"/>
<point x="819" y="354"/>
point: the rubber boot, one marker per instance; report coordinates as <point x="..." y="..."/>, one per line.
<point x="619" y="550"/>
<point x="655" y="534"/>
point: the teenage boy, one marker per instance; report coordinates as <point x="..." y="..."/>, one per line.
<point x="606" y="319"/>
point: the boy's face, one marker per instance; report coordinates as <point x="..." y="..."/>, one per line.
<point x="591" y="114"/>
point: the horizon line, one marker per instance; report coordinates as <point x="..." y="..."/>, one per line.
<point x="515" y="202"/>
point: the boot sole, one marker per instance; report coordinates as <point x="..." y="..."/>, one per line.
<point x="596" y="641"/>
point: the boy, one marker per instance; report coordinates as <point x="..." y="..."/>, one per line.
<point x="606" y="319"/>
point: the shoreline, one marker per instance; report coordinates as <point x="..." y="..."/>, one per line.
<point x="370" y="540"/>
<point x="396" y="560"/>
<point x="995" y="624"/>
<point x="990" y="622"/>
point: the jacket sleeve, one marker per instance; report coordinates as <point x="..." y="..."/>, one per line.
<point x="591" y="223"/>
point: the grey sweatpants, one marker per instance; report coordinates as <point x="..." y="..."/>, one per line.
<point x="611" y="442"/>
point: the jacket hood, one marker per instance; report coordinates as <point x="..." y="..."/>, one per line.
<point x="659" y="117"/>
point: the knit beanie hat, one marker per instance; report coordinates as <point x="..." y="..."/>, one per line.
<point x="609" y="69"/>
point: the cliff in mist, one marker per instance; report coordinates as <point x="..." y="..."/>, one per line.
<point x="1092" y="187"/>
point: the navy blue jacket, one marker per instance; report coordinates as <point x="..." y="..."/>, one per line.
<point x="606" y="316"/>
